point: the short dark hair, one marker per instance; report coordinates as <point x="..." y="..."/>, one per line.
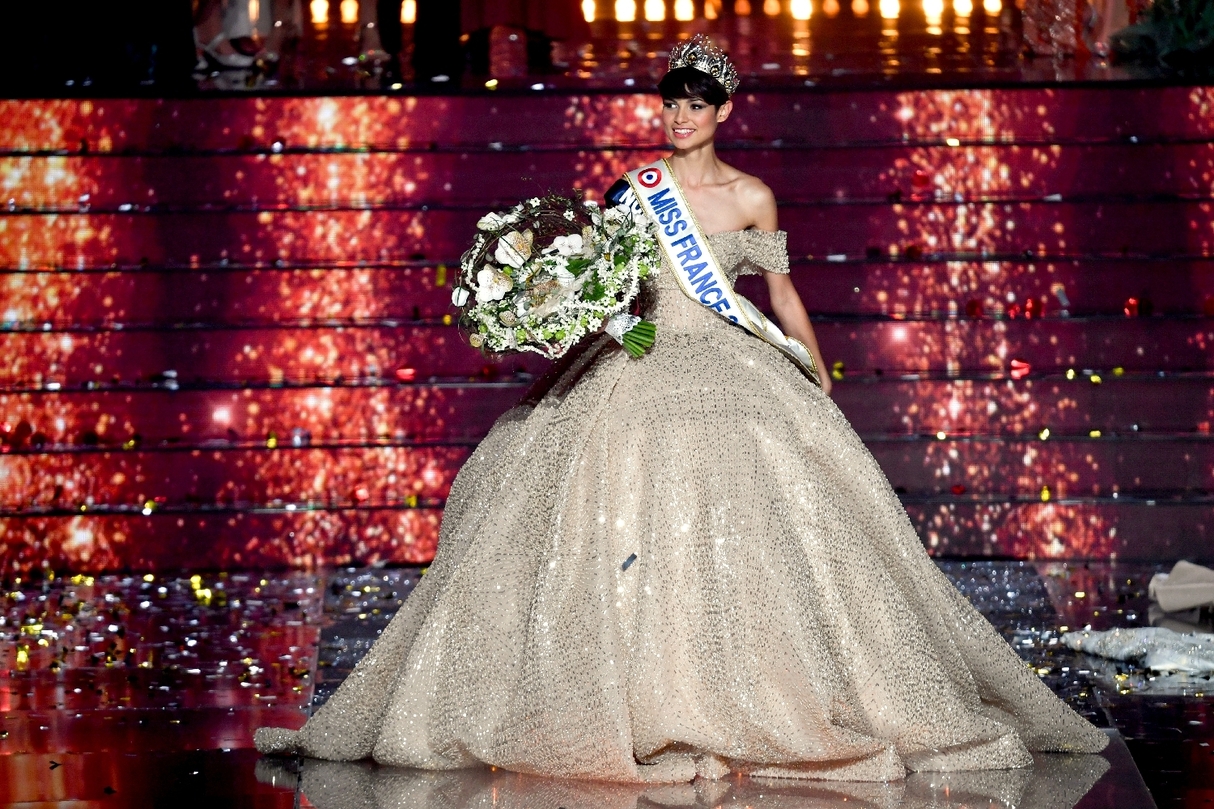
<point x="688" y="82"/>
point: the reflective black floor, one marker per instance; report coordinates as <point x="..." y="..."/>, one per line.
<point x="145" y="691"/>
<point x="1055" y="782"/>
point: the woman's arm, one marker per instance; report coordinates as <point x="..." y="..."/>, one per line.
<point x="785" y="301"/>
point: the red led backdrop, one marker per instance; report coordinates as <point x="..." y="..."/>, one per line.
<point x="228" y="336"/>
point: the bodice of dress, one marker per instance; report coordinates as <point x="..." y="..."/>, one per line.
<point x="738" y="252"/>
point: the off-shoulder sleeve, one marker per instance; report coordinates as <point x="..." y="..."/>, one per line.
<point x="764" y="250"/>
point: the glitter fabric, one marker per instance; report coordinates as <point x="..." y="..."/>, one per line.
<point x="781" y="617"/>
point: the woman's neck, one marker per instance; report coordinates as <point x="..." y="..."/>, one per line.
<point x="696" y="167"/>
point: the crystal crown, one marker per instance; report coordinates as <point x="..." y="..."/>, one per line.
<point x="700" y="53"/>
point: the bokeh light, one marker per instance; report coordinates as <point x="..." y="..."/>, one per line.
<point x="312" y="411"/>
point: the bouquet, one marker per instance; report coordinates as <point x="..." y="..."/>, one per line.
<point x="542" y="275"/>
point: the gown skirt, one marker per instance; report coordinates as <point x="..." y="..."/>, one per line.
<point x="779" y="617"/>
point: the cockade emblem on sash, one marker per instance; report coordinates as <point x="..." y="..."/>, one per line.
<point x="650" y="177"/>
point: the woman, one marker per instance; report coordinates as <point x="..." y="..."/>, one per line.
<point x="688" y="564"/>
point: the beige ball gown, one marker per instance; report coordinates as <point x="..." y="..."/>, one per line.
<point x="779" y="617"/>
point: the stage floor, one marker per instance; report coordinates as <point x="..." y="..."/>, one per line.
<point x="146" y="690"/>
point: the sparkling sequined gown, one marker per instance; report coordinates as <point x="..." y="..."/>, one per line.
<point x="780" y="617"/>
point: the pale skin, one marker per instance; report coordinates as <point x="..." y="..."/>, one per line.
<point x="724" y="199"/>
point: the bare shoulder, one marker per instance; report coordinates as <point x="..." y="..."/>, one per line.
<point x="755" y="197"/>
<point x="754" y="191"/>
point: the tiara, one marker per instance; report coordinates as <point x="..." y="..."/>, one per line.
<point x="699" y="53"/>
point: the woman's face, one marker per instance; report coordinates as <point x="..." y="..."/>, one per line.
<point x="692" y="122"/>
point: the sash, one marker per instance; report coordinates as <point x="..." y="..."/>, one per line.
<point x="654" y="192"/>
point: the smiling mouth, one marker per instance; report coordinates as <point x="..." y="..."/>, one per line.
<point x="683" y="133"/>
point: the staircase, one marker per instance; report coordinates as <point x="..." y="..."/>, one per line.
<point x="230" y="345"/>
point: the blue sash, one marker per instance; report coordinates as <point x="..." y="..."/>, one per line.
<point x="655" y="192"/>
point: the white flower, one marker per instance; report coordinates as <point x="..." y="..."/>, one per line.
<point x="497" y="221"/>
<point x="565" y="278"/>
<point x="514" y="248"/>
<point x="568" y="215"/>
<point x="614" y="219"/>
<point x="553" y="301"/>
<point x="492" y="285"/>
<point x="459" y="296"/>
<point x="566" y="245"/>
<point x="491" y="221"/>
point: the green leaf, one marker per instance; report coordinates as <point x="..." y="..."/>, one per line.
<point x="577" y="266"/>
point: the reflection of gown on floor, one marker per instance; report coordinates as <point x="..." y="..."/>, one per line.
<point x="1053" y="782"/>
<point x="781" y="616"/>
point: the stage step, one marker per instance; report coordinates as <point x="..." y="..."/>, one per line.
<point x="375" y="176"/>
<point x="370" y="353"/>
<point x="252" y="475"/>
<point x="158" y="415"/>
<point x="803" y="116"/>
<point x="318" y="234"/>
<point x="220" y="295"/>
